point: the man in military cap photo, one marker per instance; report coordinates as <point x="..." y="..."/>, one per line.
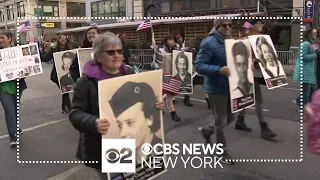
<point x="133" y="105"/>
<point x="66" y="81"/>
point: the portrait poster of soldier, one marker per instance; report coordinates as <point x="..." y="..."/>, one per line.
<point x="182" y="70"/>
<point x="269" y="62"/>
<point x="84" y="55"/>
<point x="62" y="62"/>
<point x="241" y="82"/>
<point x="129" y="105"/>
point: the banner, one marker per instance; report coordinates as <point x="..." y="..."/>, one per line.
<point x="241" y="82"/>
<point x="269" y="62"/>
<point x="182" y="70"/>
<point x="62" y="61"/>
<point x="19" y="62"/>
<point x="84" y="55"/>
<point x="128" y="103"/>
<point x="308" y="12"/>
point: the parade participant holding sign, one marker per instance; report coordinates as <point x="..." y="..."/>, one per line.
<point x="84" y="116"/>
<point x="266" y="132"/>
<point x="8" y="93"/>
<point x="62" y="44"/>
<point x="211" y="62"/>
<point x="90" y="36"/>
<point x="165" y="56"/>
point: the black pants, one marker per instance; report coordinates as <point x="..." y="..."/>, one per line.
<point x="66" y="103"/>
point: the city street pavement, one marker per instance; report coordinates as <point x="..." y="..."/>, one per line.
<point x="49" y="136"/>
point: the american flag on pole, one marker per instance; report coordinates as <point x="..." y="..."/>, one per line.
<point x="170" y="85"/>
<point x="146" y="24"/>
<point x="25" y="27"/>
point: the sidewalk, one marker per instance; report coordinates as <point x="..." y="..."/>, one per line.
<point x="244" y="146"/>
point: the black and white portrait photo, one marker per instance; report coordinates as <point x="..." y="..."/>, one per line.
<point x="25" y="51"/>
<point x="63" y="61"/>
<point x="269" y="62"/>
<point x="182" y="70"/>
<point x="129" y="105"/>
<point x="239" y="61"/>
<point x="33" y="49"/>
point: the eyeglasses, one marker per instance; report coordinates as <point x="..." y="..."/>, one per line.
<point x="226" y="25"/>
<point x="113" y="52"/>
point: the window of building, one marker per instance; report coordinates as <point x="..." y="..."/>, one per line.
<point x="76" y="9"/>
<point x="49" y="10"/>
<point x="165" y="7"/>
<point x="1" y="17"/>
<point x="20" y="9"/>
<point x="108" y="8"/>
<point x="10" y="12"/>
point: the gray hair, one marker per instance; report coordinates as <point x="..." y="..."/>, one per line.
<point x="103" y="41"/>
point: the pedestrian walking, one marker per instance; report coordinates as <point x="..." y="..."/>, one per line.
<point x="308" y="61"/>
<point x="62" y="44"/>
<point x="211" y="62"/>
<point x="84" y="116"/>
<point x="256" y="28"/>
<point x="90" y="36"/>
<point x="165" y="56"/>
<point x="8" y="93"/>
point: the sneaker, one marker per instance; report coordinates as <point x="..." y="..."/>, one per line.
<point x="206" y="134"/>
<point x="13" y="140"/>
<point x="226" y="158"/>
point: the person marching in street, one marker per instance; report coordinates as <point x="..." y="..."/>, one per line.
<point x="62" y="44"/>
<point x="166" y="50"/>
<point x="8" y="94"/>
<point x="126" y="52"/>
<point x="180" y="45"/>
<point x="212" y="63"/>
<point x="266" y="132"/>
<point x="87" y="42"/>
<point x="84" y="116"/>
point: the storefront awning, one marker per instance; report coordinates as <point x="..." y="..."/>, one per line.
<point x="154" y="22"/>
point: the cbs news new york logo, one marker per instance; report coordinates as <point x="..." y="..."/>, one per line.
<point x="118" y="156"/>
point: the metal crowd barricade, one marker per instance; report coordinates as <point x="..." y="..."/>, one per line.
<point x="142" y="57"/>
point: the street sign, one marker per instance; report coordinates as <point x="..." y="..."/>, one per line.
<point x="308" y="10"/>
<point x="48" y="25"/>
<point x="38" y="11"/>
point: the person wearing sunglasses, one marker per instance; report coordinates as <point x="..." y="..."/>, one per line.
<point x="84" y="115"/>
<point x="90" y="36"/>
<point x="212" y="64"/>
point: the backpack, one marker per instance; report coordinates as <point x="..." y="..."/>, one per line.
<point x="312" y="117"/>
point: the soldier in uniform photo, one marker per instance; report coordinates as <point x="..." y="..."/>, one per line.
<point x="66" y="81"/>
<point x="133" y="106"/>
<point x="241" y="57"/>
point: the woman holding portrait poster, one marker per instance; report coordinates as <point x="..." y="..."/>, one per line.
<point x="8" y="94"/>
<point x="266" y="133"/>
<point x="84" y="115"/>
<point x="62" y="44"/>
<point x="90" y="36"/>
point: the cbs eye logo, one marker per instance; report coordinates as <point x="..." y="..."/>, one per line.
<point x="122" y="156"/>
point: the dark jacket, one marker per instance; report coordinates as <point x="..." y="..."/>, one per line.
<point x="211" y="57"/>
<point x="126" y="52"/>
<point x="46" y="57"/>
<point x="85" y="111"/>
<point x="74" y="68"/>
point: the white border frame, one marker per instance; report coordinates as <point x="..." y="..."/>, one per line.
<point x="299" y="159"/>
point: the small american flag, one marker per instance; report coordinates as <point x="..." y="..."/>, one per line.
<point x="171" y="85"/>
<point x="146" y="24"/>
<point x="25" y="27"/>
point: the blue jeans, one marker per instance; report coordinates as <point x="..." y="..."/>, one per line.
<point x="9" y="103"/>
<point x="307" y="90"/>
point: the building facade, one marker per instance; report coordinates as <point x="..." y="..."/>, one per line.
<point x="44" y="29"/>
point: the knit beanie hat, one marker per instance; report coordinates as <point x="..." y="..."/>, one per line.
<point x="218" y="22"/>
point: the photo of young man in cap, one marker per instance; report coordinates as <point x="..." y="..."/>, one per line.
<point x="66" y="81"/>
